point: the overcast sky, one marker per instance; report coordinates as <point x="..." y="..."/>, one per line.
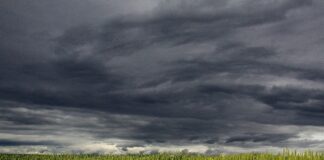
<point x="130" y="76"/>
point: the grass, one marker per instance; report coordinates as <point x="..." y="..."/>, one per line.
<point x="286" y="155"/>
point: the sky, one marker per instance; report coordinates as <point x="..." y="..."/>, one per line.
<point x="148" y="76"/>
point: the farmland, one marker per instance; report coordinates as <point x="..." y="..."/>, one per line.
<point x="308" y="155"/>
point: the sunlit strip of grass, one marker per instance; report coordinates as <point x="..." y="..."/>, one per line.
<point x="286" y="155"/>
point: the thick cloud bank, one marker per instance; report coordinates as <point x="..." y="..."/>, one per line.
<point x="111" y="76"/>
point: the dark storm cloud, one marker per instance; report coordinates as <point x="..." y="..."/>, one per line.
<point x="24" y="118"/>
<point x="87" y="70"/>
<point x="184" y="25"/>
<point x="25" y="143"/>
<point x="259" y="138"/>
<point x="179" y="69"/>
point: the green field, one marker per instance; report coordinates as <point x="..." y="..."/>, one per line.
<point x="251" y="156"/>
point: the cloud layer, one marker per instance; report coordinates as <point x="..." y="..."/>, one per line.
<point x="109" y="76"/>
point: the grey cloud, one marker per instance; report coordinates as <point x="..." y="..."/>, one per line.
<point x="174" y="73"/>
<point x="25" y="143"/>
<point x="259" y="138"/>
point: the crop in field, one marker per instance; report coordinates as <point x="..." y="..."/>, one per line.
<point x="286" y="155"/>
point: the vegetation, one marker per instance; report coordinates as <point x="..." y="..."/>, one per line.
<point x="286" y="155"/>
